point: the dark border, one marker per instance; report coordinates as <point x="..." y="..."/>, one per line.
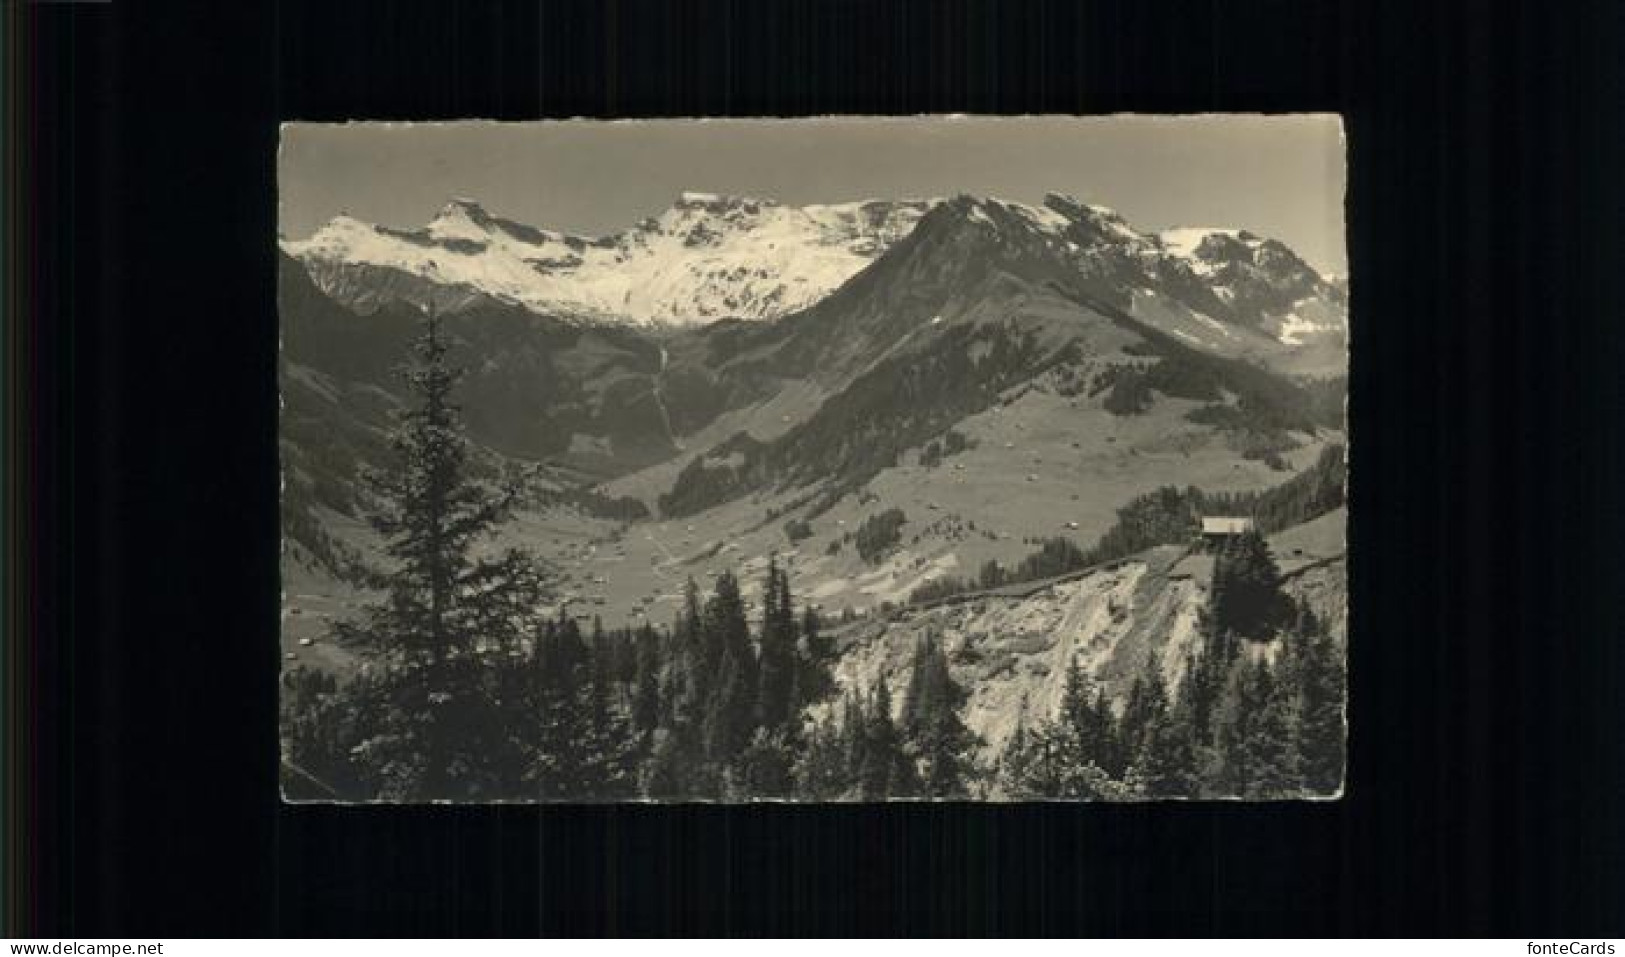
<point x="1484" y="212"/>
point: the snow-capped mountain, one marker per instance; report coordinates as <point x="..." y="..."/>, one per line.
<point x="707" y="257"/>
<point x="711" y="257"/>
<point x="1262" y="277"/>
<point x="1236" y="296"/>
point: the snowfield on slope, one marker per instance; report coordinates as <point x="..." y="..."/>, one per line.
<point x="705" y="258"/>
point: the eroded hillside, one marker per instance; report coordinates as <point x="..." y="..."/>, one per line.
<point x="1010" y="647"/>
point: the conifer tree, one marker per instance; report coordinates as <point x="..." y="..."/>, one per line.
<point x="854" y="735"/>
<point x="886" y="770"/>
<point x="731" y="717"/>
<point x="1273" y="765"/>
<point x="822" y="772"/>
<point x="1167" y="765"/>
<point x="662" y="775"/>
<point x="562" y="732"/>
<point x="1147" y="702"/>
<point x="777" y="673"/>
<point x="1206" y="674"/>
<point x="1087" y="717"/>
<point x="1321" y="688"/>
<point x="1246" y="599"/>
<point x="450" y="617"/>
<point x="689" y="676"/>
<point x="767" y="766"/>
<point x="814" y="681"/>
<point x="1236" y="728"/>
<point x="646" y="701"/>
<point x="610" y="750"/>
<point x="938" y="736"/>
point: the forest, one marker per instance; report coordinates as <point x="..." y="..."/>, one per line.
<point x="468" y="694"/>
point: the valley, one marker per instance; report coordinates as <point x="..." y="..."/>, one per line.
<point x="873" y="398"/>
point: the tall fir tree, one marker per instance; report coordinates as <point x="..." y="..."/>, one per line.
<point x="1252" y="733"/>
<point x="814" y="679"/>
<point x="1147" y="702"/>
<point x="1087" y="716"/>
<point x="646" y="699"/>
<point x="777" y="680"/>
<point x="886" y="770"/>
<point x="1167" y="764"/>
<point x="561" y="728"/>
<point x="1246" y="598"/>
<point x="822" y="772"/>
<point x="1322" y="693"/>
<point x="689" y="674"/>
<point x="731" y="716"/>
<point x="450" y="617"/>
<point x="937" y="735"/>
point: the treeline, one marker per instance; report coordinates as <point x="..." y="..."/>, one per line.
<point x="1170" y="516"/>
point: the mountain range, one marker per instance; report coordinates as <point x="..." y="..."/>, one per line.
<point x="713" y="257"/>
<point x="707" y="257"/>
<point x="736" y="378"/>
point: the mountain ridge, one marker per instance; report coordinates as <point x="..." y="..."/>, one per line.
<point x="710" y="257"/>
<point x="706" y="257"/>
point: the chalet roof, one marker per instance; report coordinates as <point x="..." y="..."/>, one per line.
<point x="1222" y="525"/>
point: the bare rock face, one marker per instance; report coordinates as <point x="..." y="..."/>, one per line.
<point x="1011" y="649"/>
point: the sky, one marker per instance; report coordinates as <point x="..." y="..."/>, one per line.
<point x="1278" y="176"/>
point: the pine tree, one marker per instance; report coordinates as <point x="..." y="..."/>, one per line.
<point x="688" y="674"/>
<point x="1086" y="715"/>
<point x="854" y="735"/>
<point x="814" y="681"/>
<point x="731" y="716"/>
<point x="610" y="750"/>
<point x="1254" y="734"/>
<point x="1246" y="598"/>
<point x="777" y="675"/>
<point x="1321" y="688"/>
<point x="822" y="772"/>
<point x="662" y="776"/>
<point x="646" y="701"/>
<point x="767" y="766"/>
<point x="1045" y="763"/>
<point x="932" y="724"/>
<point x="1147" y="702"/>
<point x="1168" y="765"/>
<point x="1206" y="674"/>
<point x="449" y="616"/>
<point x="886" y="770"/>
<point x="1273" y="763"/>
<point x="562" y="730"/>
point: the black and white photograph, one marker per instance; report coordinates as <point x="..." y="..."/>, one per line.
<point x="829" y="469"/>
<point x="939" y="458"/>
